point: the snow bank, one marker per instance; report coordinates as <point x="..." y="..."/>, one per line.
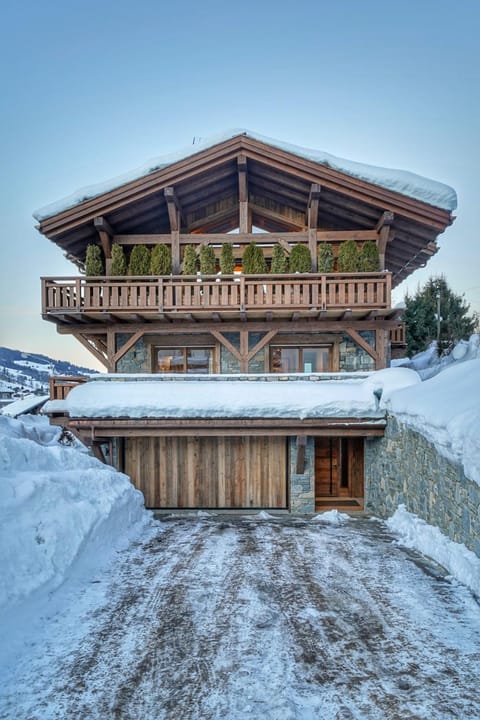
<point x="428" y="364"/>
<point x="416" y="534"/>
<point x="331" y="517"/>
<point x="61" y="510"/>
<point x="446" y="410"/>
<point x="401" y="181"/>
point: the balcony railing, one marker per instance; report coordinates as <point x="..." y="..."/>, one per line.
<point x="60" y="385"/>
<point x="226" y="293"/>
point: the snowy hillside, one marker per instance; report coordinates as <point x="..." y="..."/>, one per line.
<point x="24" y="373"/>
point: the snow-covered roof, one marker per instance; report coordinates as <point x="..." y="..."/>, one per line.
<point x="216" y="397"/>
<point x="401" y="181"/>
<point x="24" y="406"/>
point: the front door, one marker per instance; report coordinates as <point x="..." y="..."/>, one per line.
<point x="338" y="472"/>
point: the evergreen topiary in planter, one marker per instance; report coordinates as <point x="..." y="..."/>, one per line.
<point x="227" y="261"/>
<point x="93" y="261"/>
<point x="326" y="260"/>
<point x="253" y="260"/>
<point x="348" y="258"/>
<point x="160" y="261"/>
<point x="279" y="259"/>
<point x="139" y="263"/>
<point x="207" y="260"/>
<point x="369" y="259"/>
<point x="300" y="259"/>
<point x="189" y="261"/>
<point x="119" y="261"/>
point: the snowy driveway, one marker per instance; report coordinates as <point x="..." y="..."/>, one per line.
<point x="233" y="618"/>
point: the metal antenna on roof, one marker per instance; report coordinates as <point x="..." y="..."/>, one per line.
<point x="196" y="139"/>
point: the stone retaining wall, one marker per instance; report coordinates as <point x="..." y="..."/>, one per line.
<point x="403" y="467"/>
<point x="302" y="487"/>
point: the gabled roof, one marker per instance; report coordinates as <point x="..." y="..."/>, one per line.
<point x="280" y="178"/>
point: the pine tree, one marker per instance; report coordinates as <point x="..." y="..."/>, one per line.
<point x="227" y="261"/>
<point x="189" y="261"/>
<point x="421" y="318"/>
<point x="207" y="260"/>
<point x="326" y="260"/>
<point x="93" y="261"/>
<point x="300" y="259"/>
<point x="119" y="261"/>
<point x="161" y="260"/>
<point x="139" y="263"/>
<point x="279" y="259"/>
<point x="348" y="260"/>
<point x="369" y="259"/>
<point x="253" y="260"/>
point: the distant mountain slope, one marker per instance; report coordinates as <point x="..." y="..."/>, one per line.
<point x="24" y="373"/>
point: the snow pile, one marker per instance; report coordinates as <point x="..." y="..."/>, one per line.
<point x="215" y="397"/>
<point x="61" y="510"/>
<point x="446" y="410"/>
<point x="428" y="364"/>
<point x="406" y="183"/>
<point x="331" y="517"/>
<point x="418" y="535"/>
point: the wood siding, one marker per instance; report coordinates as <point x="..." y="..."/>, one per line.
<point x="209" y="472"/>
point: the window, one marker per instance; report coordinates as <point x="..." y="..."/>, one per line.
<point x="184" y="360"/>
<point x="306" y="359"/>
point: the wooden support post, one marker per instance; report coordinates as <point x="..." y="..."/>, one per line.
<point x="111" y="363"/>
<point x="380" y="345"/>
<point x="175" y="217"/>
<point x="244" y="219"/>
<point x="244" y="351"/>
<point x="106" y="234"/>
<point x="312" y="221"/>
<point x="385" y="235"/>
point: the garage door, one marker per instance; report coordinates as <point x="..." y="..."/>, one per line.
<point x="209" y="472"/>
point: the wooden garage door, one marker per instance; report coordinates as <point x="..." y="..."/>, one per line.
<point x="209" y="472"/>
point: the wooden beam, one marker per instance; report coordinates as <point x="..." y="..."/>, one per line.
<point x="243" y="214"/>
<point x="106" y="234"/>
<point x="90" y="346"/>
<point x="244" y="351"/>
<point x="312" y="221"/>
<point x="226" y="344"/>
<point x="385" y="235"/>
<point x="380" y="344"/>
<point x="111" y="339"/>
<point x="264" y="341"/>
<point x="127" y="345"/>
<point x="174" y="217"/>
<point x="363" y="343"/>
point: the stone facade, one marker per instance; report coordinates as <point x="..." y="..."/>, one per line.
<point x="302" y="487"/>
<point x="353" y="357"/>
<point x="403" y="467"/>
<point x="136" y="359"/>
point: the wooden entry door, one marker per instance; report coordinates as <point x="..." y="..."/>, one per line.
<point x="338" y="471"/>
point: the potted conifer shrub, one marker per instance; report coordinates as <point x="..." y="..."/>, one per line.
<point x="160" y="261"/>
<point x="227" y="261"/>
<point x="253" y="260"/>
<point x="189" y="261"/>
<point x="207" y="260"/>
<point x="300" y="259"/>
<point x="93" y="261"/>
<point x="279" y="259"/>
<point x="139" y="263"/>
<point x="325" y="259"/>
<point x="119" y="261"/>
<point x="348" y="258"/>
<point x="369" y="259"/>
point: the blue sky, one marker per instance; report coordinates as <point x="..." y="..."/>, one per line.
<point x="90" y="90"/>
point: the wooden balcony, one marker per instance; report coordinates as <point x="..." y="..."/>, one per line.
<point x="60" y="385"/>
<point x="67" y="300"/>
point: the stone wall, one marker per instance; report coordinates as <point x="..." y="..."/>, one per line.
<point x="353" y="357"/>
<point x="302" y="487"/>
<point x="403" y="467"/>
<point x="136" y="359"/>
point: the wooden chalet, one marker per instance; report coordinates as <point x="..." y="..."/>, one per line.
<point x="239" y="190"/>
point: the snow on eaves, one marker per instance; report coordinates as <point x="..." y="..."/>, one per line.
<point x="218" y="398"/>
<point x="401" y="181"/>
